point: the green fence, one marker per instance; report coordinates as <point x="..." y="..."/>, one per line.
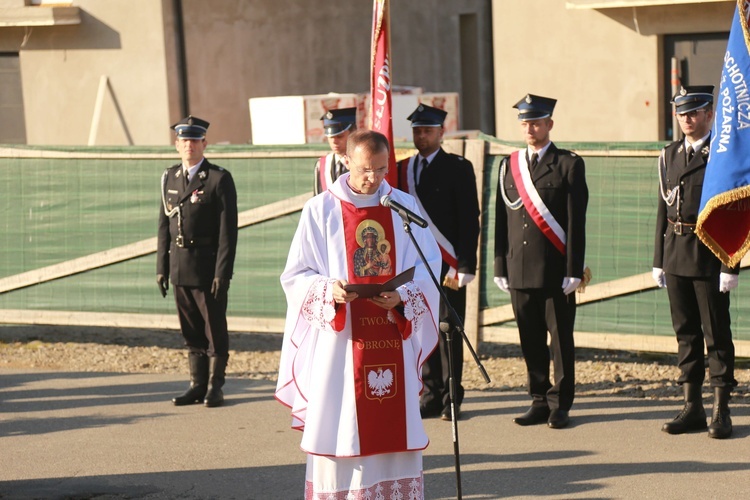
<point x="65" y="204"/>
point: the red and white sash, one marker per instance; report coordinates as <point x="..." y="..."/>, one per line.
<point x="377" y="344"/>
<point x="533" y="203"/>
<point x="407" y="183"/>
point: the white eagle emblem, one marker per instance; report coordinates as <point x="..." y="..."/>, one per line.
<point x="380" y="381"/>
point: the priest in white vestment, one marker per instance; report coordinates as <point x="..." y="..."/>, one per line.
<point x="350" y="366"/>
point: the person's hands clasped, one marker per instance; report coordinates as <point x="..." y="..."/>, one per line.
<point x="387" y="300"/>
<point x="341" y="296"/>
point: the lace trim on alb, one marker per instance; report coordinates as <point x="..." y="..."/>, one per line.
<point x="319" y="309"/>
<point x="415" y="307"/>
<point x="400" y="489"/>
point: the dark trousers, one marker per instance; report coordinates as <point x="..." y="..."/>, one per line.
<point x="694" y="302"/>
<point x="203" y="320"/>
<point x="435" y="372"/>
<point x="538" y="311"/>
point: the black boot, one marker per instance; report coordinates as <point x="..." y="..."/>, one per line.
<point x="721" y="422"/>
<point x="693" y="415"/>
<point x="218" y="369"/>
<point x="198" y="380"/>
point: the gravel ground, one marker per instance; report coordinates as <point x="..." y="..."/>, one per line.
<point x="256" y="356"/>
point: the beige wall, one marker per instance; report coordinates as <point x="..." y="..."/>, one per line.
<point x="62" y="67"/>
<point x="238" y="50"/>
<point x="603" y="69"/>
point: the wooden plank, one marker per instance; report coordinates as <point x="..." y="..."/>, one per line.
<point x="138" y="249"/>
<point x="124" y="320"/>
<point x="618" y="341"/>
<point x="593" y="293"/>
<point x="474" y="151"/>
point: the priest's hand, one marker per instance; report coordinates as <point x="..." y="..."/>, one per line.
<point x="341" y="296"/>
<point x="387" y="300"/>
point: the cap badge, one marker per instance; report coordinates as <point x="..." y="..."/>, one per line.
<point x="420" y="108"/>
<point x="329" y="115"/>
<point x="528" y="99"/>
<point x="683" y="91"/>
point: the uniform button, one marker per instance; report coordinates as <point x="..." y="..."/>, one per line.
<point x="524" y="242"/>
<point x="525" y="225"/>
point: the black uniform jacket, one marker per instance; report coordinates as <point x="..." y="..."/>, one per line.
<point x="448" y="192"/>
<point x="683" y="255"/>
<point x="209" y="226"/>
<point x="522" y="253"/>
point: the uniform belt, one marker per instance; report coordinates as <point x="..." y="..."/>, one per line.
<point x="681" y="228"/>
<point x="183" y="242"/>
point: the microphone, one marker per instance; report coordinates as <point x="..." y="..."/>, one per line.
<point x="404" y="212"/>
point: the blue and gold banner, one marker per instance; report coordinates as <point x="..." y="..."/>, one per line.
<point x="724" y="218"/>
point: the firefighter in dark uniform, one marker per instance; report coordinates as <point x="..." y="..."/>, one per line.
<point x="697" y="283"/>
<point x="445" y="188"/>
<point x="197" y="242"/>
<point x="540" y="242"/>
<point x="337" y="125"/>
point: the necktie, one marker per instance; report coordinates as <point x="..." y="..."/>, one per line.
<point x="534" y="160"/>
<point x="422" y="168"/>
<point x="339" y="169"/>
<point x="690" y="153"/>
<point x="187" y="181"/>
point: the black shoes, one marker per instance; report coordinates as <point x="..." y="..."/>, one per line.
<point x="217" y="368"/>
<point x="693" y="415"/>
<point x="558" y="419"/>
<point x="429" y="411"/>
<point x="721" y="422"/>
<point x="198" y="363"/>
<point x="691" y="418"/>
<point x="446" y="413"/>
<point x="535" y="415"/>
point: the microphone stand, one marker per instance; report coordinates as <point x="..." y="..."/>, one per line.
<point x="454" y="325"/>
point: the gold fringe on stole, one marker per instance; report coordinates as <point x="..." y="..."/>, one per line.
<point x="714" y="203"/>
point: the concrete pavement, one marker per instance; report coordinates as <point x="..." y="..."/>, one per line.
<point x="113" y="436"/>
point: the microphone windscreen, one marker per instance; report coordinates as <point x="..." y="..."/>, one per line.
<point x="385" y="200"/>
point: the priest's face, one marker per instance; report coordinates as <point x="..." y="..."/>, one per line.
<point x="367" y="170"/>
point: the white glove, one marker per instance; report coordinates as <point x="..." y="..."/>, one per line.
<point x="659" y="277"/>
<point x="464" y="279"/>
<point x="728" y="282"/>
<point x="569" y="284"/>
<point x="502" y="283"/>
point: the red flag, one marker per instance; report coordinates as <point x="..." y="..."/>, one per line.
<point x="381" y="102"/>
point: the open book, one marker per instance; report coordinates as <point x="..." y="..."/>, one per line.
<point x="365" y="291"/>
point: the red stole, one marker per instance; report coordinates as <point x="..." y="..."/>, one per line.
<point x="377" y="349"/>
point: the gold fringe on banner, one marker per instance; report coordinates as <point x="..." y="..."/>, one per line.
<point x="714" y="203"/>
